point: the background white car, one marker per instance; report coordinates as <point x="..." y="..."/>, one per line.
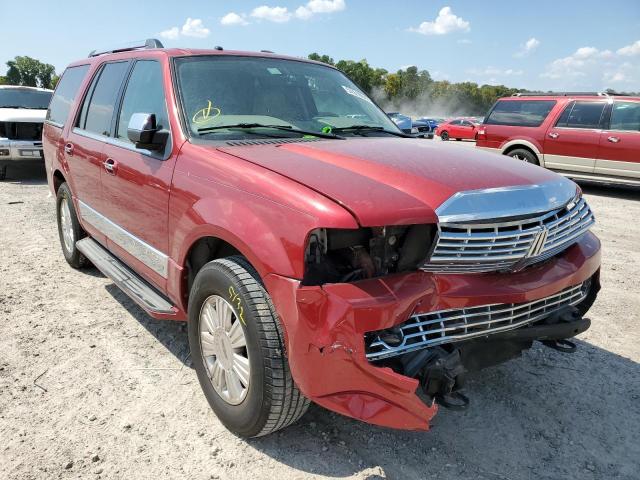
<point x="22" y="114"/>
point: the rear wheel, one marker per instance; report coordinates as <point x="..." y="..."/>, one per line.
<point x="237" y="347"/>
<point x="524" y="155"/>
<point x="444" y="136"/>
<point x="69" y="229"/>
<point x="3" y="172"/>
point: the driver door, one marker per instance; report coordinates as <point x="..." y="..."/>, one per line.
<point x="136" y="182"/>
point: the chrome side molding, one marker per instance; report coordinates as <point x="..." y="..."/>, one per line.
<point x="150" y="256"/>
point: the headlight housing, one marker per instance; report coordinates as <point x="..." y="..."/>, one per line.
<point x="344" y="255"/>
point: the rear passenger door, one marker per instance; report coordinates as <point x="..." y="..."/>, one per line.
<point x="573" y="142"/>
<point x="136" y="189"/>
<point x="85" y="142"/>
<point x="620" y="143"/>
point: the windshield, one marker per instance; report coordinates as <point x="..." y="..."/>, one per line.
<point x="24" y="98"/>
<point x="228" y="90"/>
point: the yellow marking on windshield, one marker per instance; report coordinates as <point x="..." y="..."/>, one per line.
<point x="204" y="115"/>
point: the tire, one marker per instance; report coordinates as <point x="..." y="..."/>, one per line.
<point x="3" y="172"/>
<point x="68" y="221"/>
<point x="444" y="136"/>
<point x="458" y="139"/>
<point x="524" y="155"/>
<point x="271" y="401"/>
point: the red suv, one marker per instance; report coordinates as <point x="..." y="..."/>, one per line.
<point x="317" y="252"/>
<point x="581" y="135"/>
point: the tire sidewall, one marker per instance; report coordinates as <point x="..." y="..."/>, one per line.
<point x="73" y="257"/>
<point x="248" y="417"/>
<point x="529" y="157"/>
<point x="444" y="136"/>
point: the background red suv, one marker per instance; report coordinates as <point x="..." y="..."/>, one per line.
<point x="584" y="136"/>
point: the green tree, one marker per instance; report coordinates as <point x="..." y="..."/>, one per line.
<point x="321" y="58"/>
<point x="27" y="71"/>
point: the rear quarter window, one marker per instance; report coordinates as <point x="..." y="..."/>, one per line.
<point x="521" y="113"/>
<point x="65" y="94"/>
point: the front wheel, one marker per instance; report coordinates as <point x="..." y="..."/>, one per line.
<point x="237" y="347"/>
<point x="444" y="136"/>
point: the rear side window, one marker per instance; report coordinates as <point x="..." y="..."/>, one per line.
<point x="97" y="111"/>
<point x="144" y="94"/>
<point x="521" y="113"/>
<point x="65" y="94"/>
<point x="582" y="115"/>
<point x="626" y="116"/>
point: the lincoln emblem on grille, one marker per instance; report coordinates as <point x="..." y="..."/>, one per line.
<point x="538" y="243"/>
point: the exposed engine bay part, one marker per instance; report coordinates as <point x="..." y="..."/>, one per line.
<point x="442" y="369"/>
<point x="340" y="255"/>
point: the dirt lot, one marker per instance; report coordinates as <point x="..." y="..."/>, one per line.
<point x="90" y="387"/>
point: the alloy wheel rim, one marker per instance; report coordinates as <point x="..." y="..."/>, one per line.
<point x="224" y="350"/>
<point x="66" y="225"/>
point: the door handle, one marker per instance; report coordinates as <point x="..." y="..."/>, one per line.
<point x="68" y="148"/>
<point x="613" y="139"/>
<point x="111" y="166"/>
<point x="554" y="135"/>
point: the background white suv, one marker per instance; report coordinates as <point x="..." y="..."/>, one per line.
<point x="22" y="113"/>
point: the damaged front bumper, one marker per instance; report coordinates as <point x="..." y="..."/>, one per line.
<point x="332" y="330"/>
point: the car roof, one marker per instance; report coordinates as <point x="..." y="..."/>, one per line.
<point x="569" y="97"/>
<point x="186" y="52"/>
<point x="22" y="87"/>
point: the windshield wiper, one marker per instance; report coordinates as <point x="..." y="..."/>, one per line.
<point x="13" y="106"/>
<point x="369" y="128"/>
<point x="287" y="128"/>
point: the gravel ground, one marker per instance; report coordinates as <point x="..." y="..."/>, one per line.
<point x="90" y="387"/>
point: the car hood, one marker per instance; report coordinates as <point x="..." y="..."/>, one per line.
<point x="387" y="181"/>
<point x="22" y="115"/>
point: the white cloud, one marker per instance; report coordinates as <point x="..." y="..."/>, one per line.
<point x="445" y="22"/>
<point x="272" y="14"/>
<point x="193" y="27"/>
<point x="590" y="68"/>
<point x="630" y="50"/>
<point x="528" y="47"/>
<point x="232" y="18"/>
<point x="319" y="6"/>
<point x="495" y="72"/>
<point x="170" y="34"/>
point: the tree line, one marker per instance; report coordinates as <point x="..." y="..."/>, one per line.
<point x="29" y="72"/>
<point x="414" y="92"/>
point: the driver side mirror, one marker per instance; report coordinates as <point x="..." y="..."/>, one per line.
<point x="144" y="133"/>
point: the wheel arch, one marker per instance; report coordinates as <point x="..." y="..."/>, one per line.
<point x="58" y="179"/>
<point x="526" y="145"/>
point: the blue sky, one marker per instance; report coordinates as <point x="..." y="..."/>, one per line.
<point x="561" y="45"/>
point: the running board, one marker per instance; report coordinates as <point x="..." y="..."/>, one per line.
<point x="138" y="289"/>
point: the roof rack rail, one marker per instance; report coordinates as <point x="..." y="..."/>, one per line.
<point x="148" y="43"/>
<point x="568" y="94"/>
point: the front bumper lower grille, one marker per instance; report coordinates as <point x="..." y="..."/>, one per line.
<point x="474" y="247"/>
<point x="449" y="326"/>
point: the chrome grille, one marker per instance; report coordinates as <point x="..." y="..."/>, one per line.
<point x="484" y="247"/>
<point x="448" y="326"/>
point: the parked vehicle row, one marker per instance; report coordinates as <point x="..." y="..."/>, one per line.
<point x="22" y="112"/>
<point x="586" y="136"/>
<point x="317" y="255"/>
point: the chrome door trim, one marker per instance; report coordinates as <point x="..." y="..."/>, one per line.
<point x="150" y="256"/>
